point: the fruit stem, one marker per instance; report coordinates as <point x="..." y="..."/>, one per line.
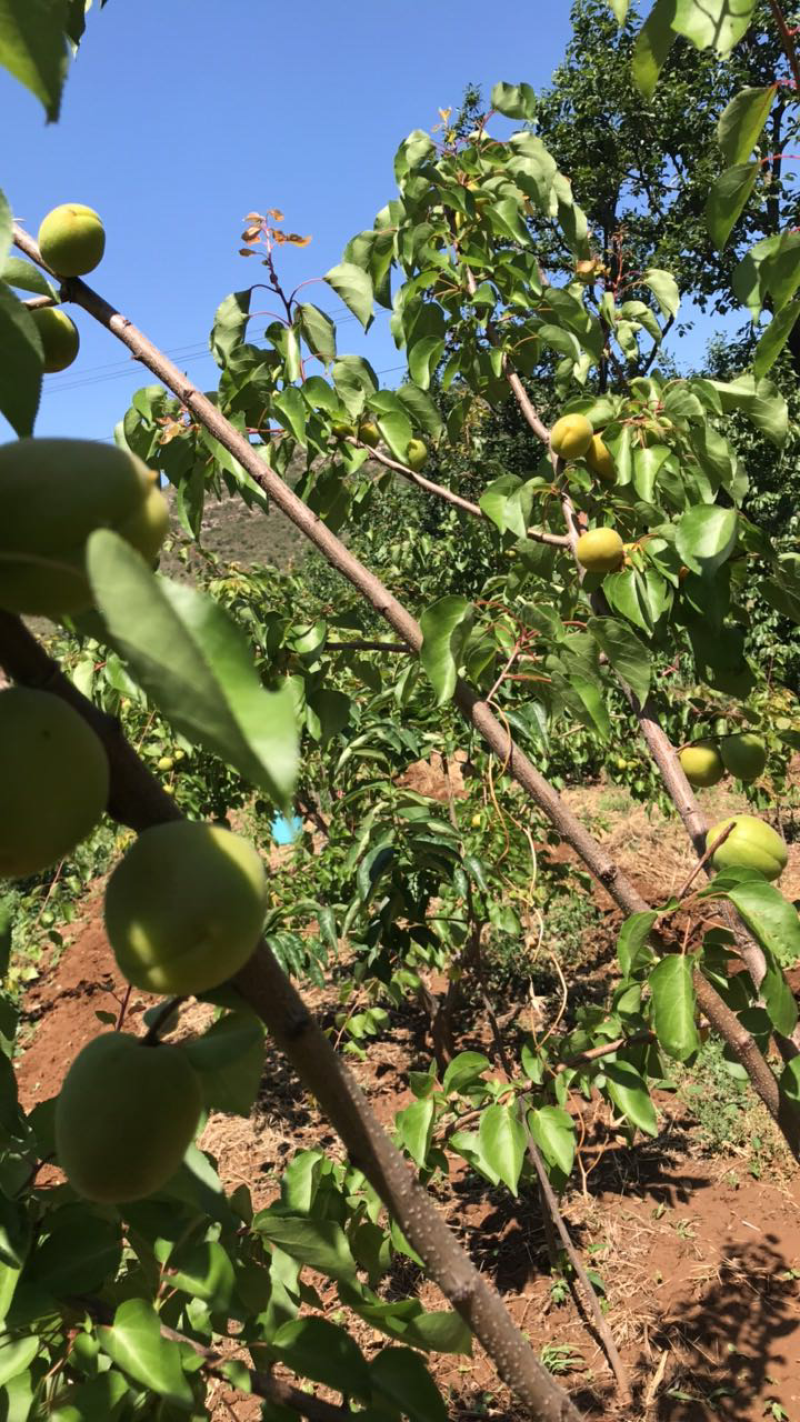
<point x="163" y="1015"/>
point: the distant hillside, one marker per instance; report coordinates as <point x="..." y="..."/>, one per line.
<point x="239" y="535"/>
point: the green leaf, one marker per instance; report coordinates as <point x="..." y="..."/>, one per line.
<point x="502" y="1142"/>
<point x="770" y="918"/>
<point x="664" y="288"/>
<point x="319" y="1350"/>
<point x="652" y="46"/>
<point x="553" y="1130"/>
<point x="230" y="324"/>
<point x="81" y="1251"/>
<point x="26" y="277"/>
<point x="321" y="1244"/>
<point x="706" y="537"/>
<point x="620" y="9"/>
<point x="507" y="502"/>
<point x="205" y="1272"/>
<point x="727" y="199"/>
<point x="16" y="1354"/>
<point x="632" y="947"/>
<point x="354" y="288"/>
<point x="774" y="339"/>
<point x="135" y="1344"/>
<point x="196" y="665"/>
<point x="514" y="100"/>
<point x="790" y="1081"/>
<point x="760" y="400"/>
<point x="628" y="656"/>
<point x="675" y="1007"/>
<point x="713" y="24"/>
<point x="415" y="1125"/>
<point x="229" y="1060"/>
<point x="319" y="331"/>
<point x="443" y="1332"/>
<point x="742" y="122"/>
<point x="445" y="628"/>
<point x="21" y="368"/>
<point x="33" y="48"/>
<point x="401" y="1377"/>
<point x="464" y="1070"/>
<point x="355" y="382"/>
<point x="628" y="1091"/>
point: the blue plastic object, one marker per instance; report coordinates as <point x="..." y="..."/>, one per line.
<point x="286" y="831"/>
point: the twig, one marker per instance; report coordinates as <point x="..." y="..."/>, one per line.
<point x="539" y="535"/>
<point x="37" y="303"/>
<point x="701" y="863"/>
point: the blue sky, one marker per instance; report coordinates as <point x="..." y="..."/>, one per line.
<point x="180" y="118"/>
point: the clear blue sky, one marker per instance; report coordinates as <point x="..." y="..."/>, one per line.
<point x="181" y="117"/>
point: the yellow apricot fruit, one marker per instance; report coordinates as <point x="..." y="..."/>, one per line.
<point x="53" y="780"/>
<point x="571" y="436"/>
<point x="702" y="764"/>
<point x="59" y="337"/>
<point x="601" y="550"/>
<point x="599" y="459"/>
<point x="752" y="844"/>
<point x="476" y="821"/>
<point x="416" y="454"/>
<point x="72" y="240"/>
<point x="53" y="494"/>
<point x="744" y="756"/>
<point x="369" y="433"/>
<point x="125" y="1117"/>
<point x="343" y="431"/>
<point x="165" y="762"/>
<point x="185" y="907"/>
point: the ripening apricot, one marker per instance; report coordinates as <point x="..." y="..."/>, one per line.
<point x="601" y="550"/>
<point x="125" y="1117"/>
<point x="72" y="240"/>
<point x="53" y="780"/>
<point x="59" y="337"/>
<point x="599" y="459"/>
<point x="185" y="907"/>
<point x="53" y="494"/>
<point x="702" y="764"/>
<point x="369" y="433"/>
<point x="752" y="844"/>
<point x="416" y="454"/>
<point x="571" y="436"/>
<point x="744" y="755"/>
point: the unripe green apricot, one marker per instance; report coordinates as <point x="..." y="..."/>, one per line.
<point x="571" y="436"/>
<point x="744" y="755"/>
<point x="125" y="1117"/>
<point x="601" y="550"/>
<point x="369" y="433"/>
<point x="53" y="780"/>
<point x="752" y="844"/>
<point x="59" y="337"/>
<point x="702" y="764"/>
<point x="53" y="494"/>
<point x="72" y="240"/>
<point x="185" y="907"/>
<point x="343" y="431"/>
<point x="416" y="454"/>
<point x="599" y="459"/>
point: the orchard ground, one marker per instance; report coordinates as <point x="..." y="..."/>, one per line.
<point x="694" y="1237"/>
